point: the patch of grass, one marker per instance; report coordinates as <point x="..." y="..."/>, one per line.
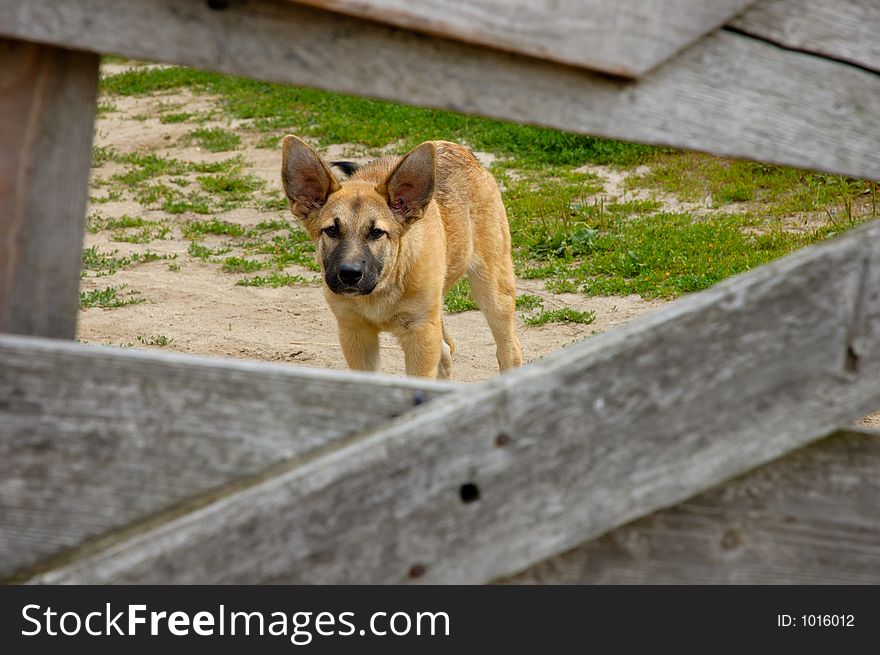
<point x="334" y="118"/>
<point x="527" y="302"/>
<point x="146" y="234"/>
<point x="193" y="229"/>
<point x="205" y="253"/>
<point x="277" y="203"/>
<point x="102" y="154"/>
<point x="274" y="280"/>
<point x="154" y="340"/>
<point x="563" y="315"/>
<point x="663" y="255"/>
<point x="146" y="167"/>
<point x="107" y="263"/>
<point x="231" y="187"/>
<point x="105" y="107"/>
<point x="214" y="139"/>
<point x="242" y="265"/>
<point x="230" y="166"/>
<point x="291" y="248"/>
<point x="192" y="202"/>
<point x="177" y="117"/>
<point x="458" y="299"/>
<point x="780" y="190"/>
<point x="174" y="268"/>
<point x="108" y="298"/>
<point x="269" y="142"/>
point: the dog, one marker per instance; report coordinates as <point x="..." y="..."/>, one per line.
<point x="393" y="237"/>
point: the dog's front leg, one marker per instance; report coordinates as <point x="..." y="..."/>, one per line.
<point x="421" y="342"/>
<point x="360" y="345"/>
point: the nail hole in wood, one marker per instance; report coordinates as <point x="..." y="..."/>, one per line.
<point x="851" y="365"/>
<point x="417" y="571"/>
<point x="469" y="493"/>
<point x="502" y="440"/>
<point x="218" y="5"/>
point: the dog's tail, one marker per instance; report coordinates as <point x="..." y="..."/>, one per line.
<point x="347" y="167"/>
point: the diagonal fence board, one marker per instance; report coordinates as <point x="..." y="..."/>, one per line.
<point x="47" y="110"/>
<point x="729" y="93"/>
<point x="845" y="30"/>
<point x="92" y="439"/>
<point x="617" y="427"/>
<point x="625" y="37"/>
<point x="811" y="517"/>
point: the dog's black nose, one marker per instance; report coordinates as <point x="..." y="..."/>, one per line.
<point x="350" y="273"/>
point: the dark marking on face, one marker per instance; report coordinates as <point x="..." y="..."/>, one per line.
<point x="350" y="267"/>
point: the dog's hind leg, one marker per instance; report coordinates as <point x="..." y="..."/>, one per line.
<point x="494" y="291"/>
<point x="447" y="348"/>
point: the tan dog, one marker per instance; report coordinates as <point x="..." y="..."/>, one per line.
<point x="393" y="239"/>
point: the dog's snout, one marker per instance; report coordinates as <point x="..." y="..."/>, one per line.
<point x="350" y="273"/>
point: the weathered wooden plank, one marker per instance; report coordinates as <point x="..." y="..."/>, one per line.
<point x="486" y="483"/>
<point x="94" y="438"/>
<point x="47" y="109"/>
<point x="729" y="94"/>
<point x="625" y="37"/>
<point x="845" y="30"/>
<point x="812" y="517"/>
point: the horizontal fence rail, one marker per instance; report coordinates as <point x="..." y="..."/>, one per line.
<point x="729" y="93"/>
<point x="95" y="438"/>
<point x="625" y="37"/>
<point x="484" y="484"/>
<point x="811" y="517"/>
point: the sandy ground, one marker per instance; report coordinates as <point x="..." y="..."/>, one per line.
<point x="200" y="310"/>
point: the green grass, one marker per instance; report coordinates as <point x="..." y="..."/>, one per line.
<point x="334" y="118"/>
<point x="561" y="232"/>
<point x="230" y="187"/>
<point x="154" y="340"/>
<point x="102" y="264"/>
<point x="178" y="117"/>
<point x="108" y="298"/>
<point x="459" y="298"/>
<point x="695" y="177"/>
<point x="663" y="255"/>
<point x="563" y="315"/>
<point x="195" y="229"/>
<point x="242" y="265"/>
<point x="214" y="139"/>
<point x="274" y="280"/>
<point x="205" y="253"/>
<point x="286" y="249"/>
<point x="527" y="302"/>
<point x="102" y="154"/>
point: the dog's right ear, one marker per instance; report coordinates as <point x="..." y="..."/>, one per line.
<point x="307" y="180"/>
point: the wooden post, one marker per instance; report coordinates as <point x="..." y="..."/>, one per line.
<point x="47" y="111"/>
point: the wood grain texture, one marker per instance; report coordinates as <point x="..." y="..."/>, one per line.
<point x="47" y="111"/>
<point x="812" y="517"/>
<point x="846" y="30"/>
<point x="624" y="37"/>
<point x="728" y="94"/>
<point x="603" y="432"/>
<point x="92" y="439"/>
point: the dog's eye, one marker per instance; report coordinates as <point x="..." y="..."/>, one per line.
<point x="376" y="234"/>
<point x="331" y="231"/>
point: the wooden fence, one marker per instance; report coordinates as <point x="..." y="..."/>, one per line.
<point x="702" y="443"/>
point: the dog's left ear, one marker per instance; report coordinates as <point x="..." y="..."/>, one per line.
<point x="307" y="180"/>
<point x="409" y="188"/>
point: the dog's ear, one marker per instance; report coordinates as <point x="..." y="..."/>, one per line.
<point x="410" y="186"/>
<point x="307" y="180"/>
